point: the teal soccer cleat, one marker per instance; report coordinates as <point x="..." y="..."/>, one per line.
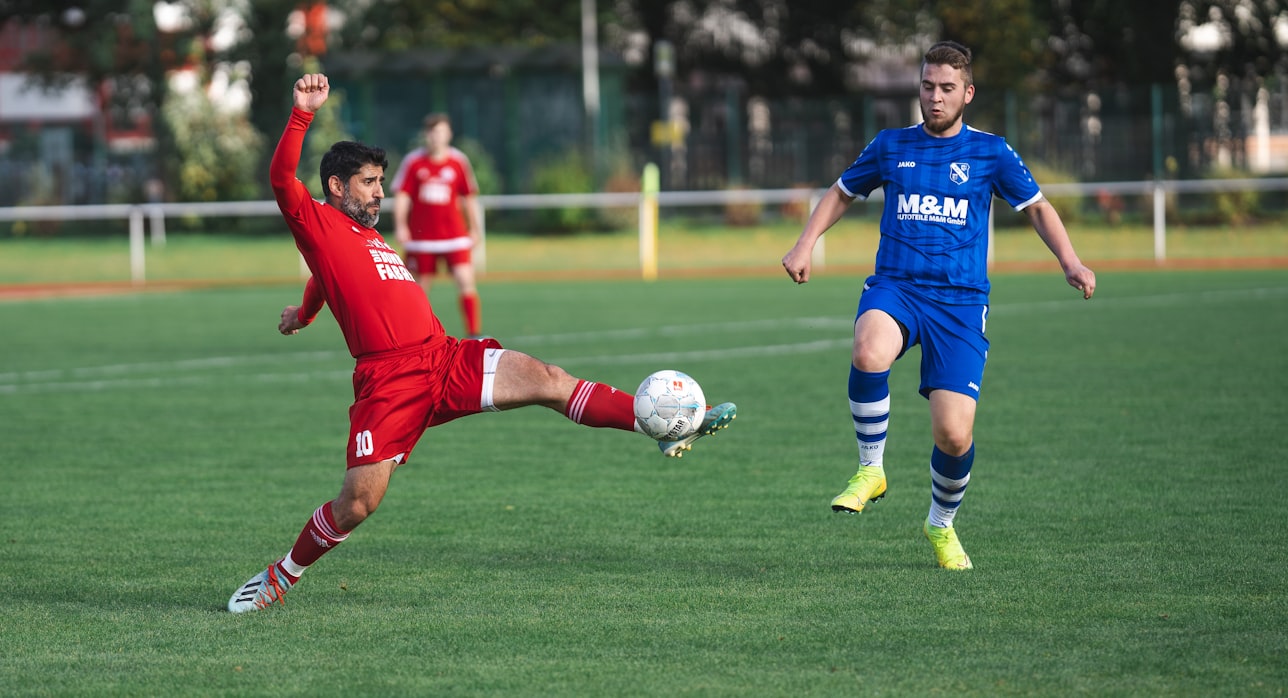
<point x="714" y="420"/>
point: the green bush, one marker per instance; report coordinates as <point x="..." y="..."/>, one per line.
<point x="1240" y="207"/>
<point x="566" y="174"/>
<point x="485" y="172"/>
<point x="216" y="148"/>
<point x="1044" y="174"/>
<point x="621" y="180"/>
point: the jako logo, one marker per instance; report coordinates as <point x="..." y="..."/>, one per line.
<point x="930" y="207"/>
<point x="907" y="163"/>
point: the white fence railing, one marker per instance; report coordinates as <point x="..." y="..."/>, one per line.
<point x="155" y="214"/>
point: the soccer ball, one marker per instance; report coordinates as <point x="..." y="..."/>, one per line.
<point x="669" y="405"/>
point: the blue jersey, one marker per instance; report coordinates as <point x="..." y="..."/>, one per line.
<point x="934" y="228"/>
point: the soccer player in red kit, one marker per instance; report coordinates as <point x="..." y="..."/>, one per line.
<point x="410" y="375"/>
<point x="436" y="215"/>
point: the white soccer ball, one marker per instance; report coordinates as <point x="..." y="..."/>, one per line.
<point x="669" y="405"/>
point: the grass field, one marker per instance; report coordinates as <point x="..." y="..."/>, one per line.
<point x="685" y="249"/>
<point x="1125" y="515"/>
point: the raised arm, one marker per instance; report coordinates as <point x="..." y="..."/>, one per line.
<point x="310" y="93"/>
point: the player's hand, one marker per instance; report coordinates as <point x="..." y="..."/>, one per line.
<point x="311" y="92"/>
<point x="1081" y="278"/>
<point x="797" y="264"/>
<point x="290" y="322"/>
<point x="402" y="234"/>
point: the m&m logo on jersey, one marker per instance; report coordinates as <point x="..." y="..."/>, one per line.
<point x="930" y="208"/>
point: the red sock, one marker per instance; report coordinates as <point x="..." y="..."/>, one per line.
<point x="598" y="405"/>
<point x="470" y="312"/>
<point x="320" y="535"/>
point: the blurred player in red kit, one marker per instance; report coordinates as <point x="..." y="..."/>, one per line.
<point x="410" y="375"/>
<point x="436" y="215"/>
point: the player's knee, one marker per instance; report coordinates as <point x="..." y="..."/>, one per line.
<point x="351" y="511"/>
<point x="554" y="379"/>
<point x="954" y="442"/>
<point x="868" y="358"/>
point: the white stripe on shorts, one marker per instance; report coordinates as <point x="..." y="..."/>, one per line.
<point x="491" y="357"/>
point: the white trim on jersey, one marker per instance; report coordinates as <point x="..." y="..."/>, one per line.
<point x="453" y="153"/>
<point x="841" y="185"/>
<point x="401" y="172"/>
<point x="1036" y="198"/>
<point x="438" y="246"/>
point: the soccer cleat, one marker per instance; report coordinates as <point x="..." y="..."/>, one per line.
<point x="867" y="485"/>
<point x="714" y="420"/>
<point x="947" y="548"/>
<point x="263" y="590"/>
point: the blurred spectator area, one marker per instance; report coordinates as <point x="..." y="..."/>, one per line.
<point x="524" y="107"/>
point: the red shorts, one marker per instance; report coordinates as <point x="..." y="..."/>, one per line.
<point x="427" y="262"/>
<point x="399" y="394"/>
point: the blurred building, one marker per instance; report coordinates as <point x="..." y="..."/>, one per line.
<point x="58" y="143"/>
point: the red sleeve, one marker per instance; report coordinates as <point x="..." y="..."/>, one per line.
<point x="401" y="173"/>
<point x="312" y="303"/>
<point x="289" y="191"/>
<point x="471" y="184"/>
<point x="403" y="183"/>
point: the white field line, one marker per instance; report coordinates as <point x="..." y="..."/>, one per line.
<point x="195" y="372"/>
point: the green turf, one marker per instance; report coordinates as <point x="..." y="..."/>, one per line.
<point x="1125" y="514"/>
<point x="684" y="248"/>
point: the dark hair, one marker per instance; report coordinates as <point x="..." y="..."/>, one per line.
<point x="346" y="158"/>
<point x="950" y="53"/>
<point x="435" y="119"/>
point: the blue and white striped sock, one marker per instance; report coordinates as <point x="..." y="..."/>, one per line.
<point x="949" y="476"/>
<point x="870" y="407"/>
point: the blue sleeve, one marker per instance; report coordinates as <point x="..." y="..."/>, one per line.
<point x="1014" y="182"/>
<point x="864" y="174"/>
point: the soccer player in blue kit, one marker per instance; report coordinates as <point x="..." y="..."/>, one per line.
<point x="930" y="285"/>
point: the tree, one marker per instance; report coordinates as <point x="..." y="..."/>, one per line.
<point x="393" y="25"/>
<point x="1105" y="42"/>
<point x="776" y="48"/>
<point x="102" y="43"/>
<point x="1005" y="52"/>
<point x="121" y="48"/>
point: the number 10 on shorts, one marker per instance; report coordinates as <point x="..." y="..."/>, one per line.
<point x="362" y="444"/>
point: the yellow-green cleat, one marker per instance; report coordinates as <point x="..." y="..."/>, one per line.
<point x="948" y="550"/>
<point x="867" y="485"/>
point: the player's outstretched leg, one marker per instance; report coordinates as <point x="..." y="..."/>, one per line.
<point x="261" y="591"/>
<point x="714" y="420"/>
<point x="948" y="549"/>
<point x="867" y="485"/>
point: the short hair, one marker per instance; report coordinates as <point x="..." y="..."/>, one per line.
<point x="435" y="119"/>
<point x="950" y="53"/>
<point x="346" y="158"/>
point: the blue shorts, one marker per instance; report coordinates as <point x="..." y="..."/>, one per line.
<point x="953" y="346"/>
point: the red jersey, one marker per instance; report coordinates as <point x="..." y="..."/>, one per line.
<point x="436" y="188"/>
<point x="376" y="301"/>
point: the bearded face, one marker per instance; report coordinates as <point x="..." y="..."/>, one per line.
<point x="365" y="211"/>
<point x="944" y="96"/>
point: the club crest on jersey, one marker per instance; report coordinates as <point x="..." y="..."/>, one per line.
<point x="959" y="172"/>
